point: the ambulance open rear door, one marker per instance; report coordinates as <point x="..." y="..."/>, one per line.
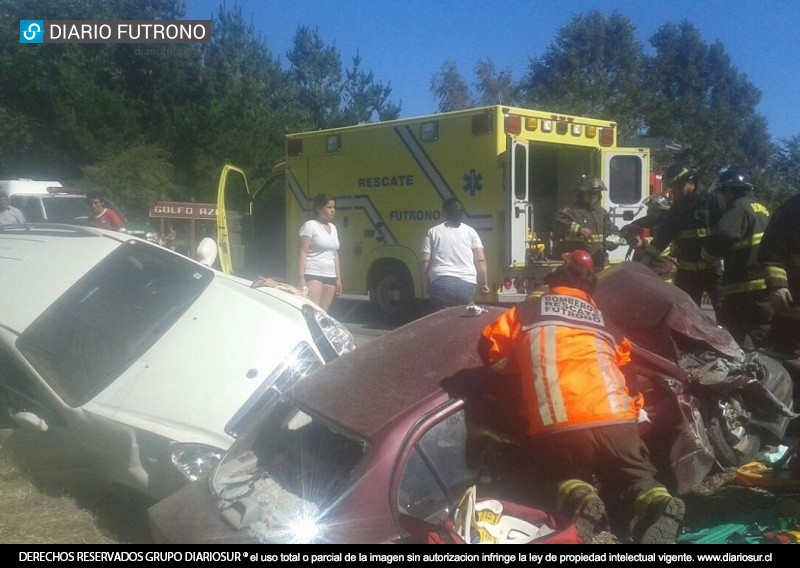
<point x="519" y="206"/>
<point x="626" y="172"/>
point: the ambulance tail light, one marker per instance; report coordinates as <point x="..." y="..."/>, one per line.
<point x="507" y="284"/>
<point x="513" y="124"/>
<point x="518" y="284"/>
<point x="482" y="124"/>
<point x="606" y="136"/>
<point x="591" y="132"/>
<point x="561" y="128"/>
<point x="531" y="124"/>
<point x="294" y="147"/>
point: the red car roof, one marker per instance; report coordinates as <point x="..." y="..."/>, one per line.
<point x="430" y="359"/>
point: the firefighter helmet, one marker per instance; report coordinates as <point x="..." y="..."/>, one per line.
<point x="657" y="201"/>
<point x="591" y="183"/>
<point x="580" y="258"/>
<point x="734" y="179"/>
<point x="678" y="174"/>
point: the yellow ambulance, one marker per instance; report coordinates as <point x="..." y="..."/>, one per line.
<point x="511" y="168"/>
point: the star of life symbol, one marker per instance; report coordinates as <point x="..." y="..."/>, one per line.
<point x="473" y="183"/>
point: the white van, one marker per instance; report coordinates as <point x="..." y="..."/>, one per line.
<point x="46" y="201"/>
<point x="26" y="186"/>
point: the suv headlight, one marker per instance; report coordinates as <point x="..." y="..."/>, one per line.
<point x="299" y="363"/>
<point x="195" y="460"/>
<point x="331" y="337"/>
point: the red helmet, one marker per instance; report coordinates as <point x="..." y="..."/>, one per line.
<point x="580" y="258"/>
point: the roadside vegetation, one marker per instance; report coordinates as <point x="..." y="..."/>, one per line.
<point x="42" y="506"/>
<point x="148" y="127"/>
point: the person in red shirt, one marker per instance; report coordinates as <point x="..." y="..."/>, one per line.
<point x="104" y="217"/>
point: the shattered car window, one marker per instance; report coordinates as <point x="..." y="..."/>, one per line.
<point x="437" y="472"/>
<point x="282" y="489"/>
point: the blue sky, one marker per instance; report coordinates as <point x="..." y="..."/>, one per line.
<point x="405" y="42"/>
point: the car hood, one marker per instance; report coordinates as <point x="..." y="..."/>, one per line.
<point x="192" y="381"/>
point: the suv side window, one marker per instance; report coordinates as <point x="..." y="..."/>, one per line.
<point x="30" y="206"/>
<point x="19" y="394"/>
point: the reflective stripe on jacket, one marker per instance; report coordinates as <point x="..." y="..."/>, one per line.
<point x="567" y="360"/>
<point x="736" y="240"/>
<point x="688" y="223"/>
<point x="780" y="248"/>
<point x="568" y="223"/>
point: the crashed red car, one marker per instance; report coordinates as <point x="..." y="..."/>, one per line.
<point x="399" y="429"/>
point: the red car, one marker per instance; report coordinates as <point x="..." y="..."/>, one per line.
<point x="399" y="428"/>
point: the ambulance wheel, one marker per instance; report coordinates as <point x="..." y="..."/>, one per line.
<point x="392" y="293"/>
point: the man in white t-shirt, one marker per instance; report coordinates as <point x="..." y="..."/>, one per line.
<point x="453" y="260"/>
<point x="8" y="213"/>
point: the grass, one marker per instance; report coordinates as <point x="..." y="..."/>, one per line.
<point x="49" y="507"/>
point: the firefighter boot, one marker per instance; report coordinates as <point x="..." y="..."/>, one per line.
<point x="658" y="517"/>
<point x="580" y="501"/>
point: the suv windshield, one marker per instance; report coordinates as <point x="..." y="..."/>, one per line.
<point x="90" y="335"/>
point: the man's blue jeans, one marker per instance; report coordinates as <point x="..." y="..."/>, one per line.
<point x="450" y="291"/>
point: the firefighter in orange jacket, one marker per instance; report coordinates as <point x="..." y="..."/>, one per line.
<point x="581" y="418"/>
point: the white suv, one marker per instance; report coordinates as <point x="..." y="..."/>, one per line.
<point x="126" y="355"/>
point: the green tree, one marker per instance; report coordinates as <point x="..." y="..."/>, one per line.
<point x="134" y="178"/>
<point x="696" y="96"/>
<point x="450" y="89"/>
<point x="494" y="87"/>
<point x="248" y="105"/>
<point x="592" y="68"/>
<point x="364" y="100"/>
<point x="68" y="105"/>
<point x="782" y="179"/>
<point x="329" y="96"/>
<point x="316" y="71"/>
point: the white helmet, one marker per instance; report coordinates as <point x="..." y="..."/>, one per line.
<point x="207" y="251"/>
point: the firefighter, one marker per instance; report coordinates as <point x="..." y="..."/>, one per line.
<point x="586" y="225"/>
<point x="745" y="309"/>
<point x="564" y="369"/>
<point x="578" y="257"/>
<point x="779" y="253"/>
<point x="686" y="226"/>
<point x="639" y="234"/>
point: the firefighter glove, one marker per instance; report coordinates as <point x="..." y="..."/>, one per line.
<point x="781" y="299"/>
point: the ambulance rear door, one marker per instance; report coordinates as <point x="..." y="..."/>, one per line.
<point x="626" y="174"/>
<point x="519" y="206"/>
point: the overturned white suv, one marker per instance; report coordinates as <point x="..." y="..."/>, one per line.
<point x="140" y="361"/>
